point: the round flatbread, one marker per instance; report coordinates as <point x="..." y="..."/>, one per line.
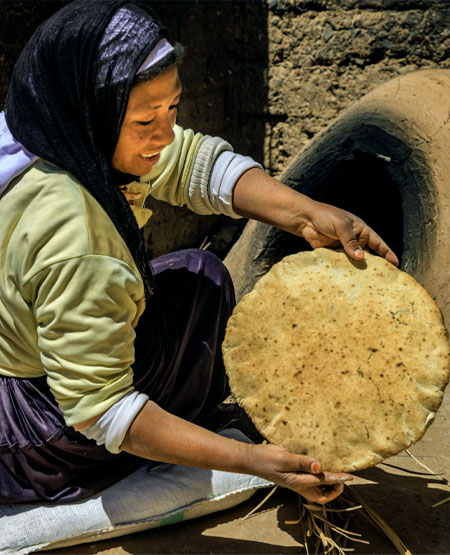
<point x="342" y="360"/>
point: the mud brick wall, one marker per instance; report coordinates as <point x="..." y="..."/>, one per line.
<point x="325" y="55"/>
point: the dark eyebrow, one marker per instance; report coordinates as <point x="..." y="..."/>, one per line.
<point x="159" y="105"/>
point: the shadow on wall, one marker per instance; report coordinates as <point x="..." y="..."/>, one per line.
<point x="224" y="70"/>
<point x="224" y="94"/>
<point x="18" y="21"/>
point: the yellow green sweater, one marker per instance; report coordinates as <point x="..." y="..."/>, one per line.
<point x="70" y="293"/>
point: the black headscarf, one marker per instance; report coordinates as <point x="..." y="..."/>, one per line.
<point x="69" y="92"/>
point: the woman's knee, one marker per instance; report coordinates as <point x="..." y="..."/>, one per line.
<point x="208" y="266"/>
<point x="212" y="265"/>
<point x="195" y="261"/>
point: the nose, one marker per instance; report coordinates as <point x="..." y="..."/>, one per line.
<point x="165" y="133"/>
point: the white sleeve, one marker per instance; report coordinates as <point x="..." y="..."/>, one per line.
<point x="214" y="172"/>
<point x="227" y="169"/>
<point x="110" y="429"/>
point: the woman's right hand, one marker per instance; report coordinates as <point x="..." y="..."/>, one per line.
<point x="128" y="195"/>
<point x="300" y="473"/>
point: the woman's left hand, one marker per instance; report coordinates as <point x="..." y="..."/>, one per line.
<point x="258" y="196"/>
<point x="328" y="226"/>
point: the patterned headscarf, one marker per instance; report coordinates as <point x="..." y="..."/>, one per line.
<point x="69" y="92"/>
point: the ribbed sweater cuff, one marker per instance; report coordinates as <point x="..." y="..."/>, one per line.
<point x="214" y="172"/>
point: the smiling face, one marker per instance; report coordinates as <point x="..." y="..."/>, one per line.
<point x="148" y="123"/>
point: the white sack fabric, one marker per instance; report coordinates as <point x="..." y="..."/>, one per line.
<point x="145" y="499"/>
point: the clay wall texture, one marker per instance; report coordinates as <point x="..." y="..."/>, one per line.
<point x="267" y="75"/>
<point x="325" y="55"/>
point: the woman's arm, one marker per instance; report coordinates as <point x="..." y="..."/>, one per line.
<point x="158" y="435"/>
<point x="258" y="196"/>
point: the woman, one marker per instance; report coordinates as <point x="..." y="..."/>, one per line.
<point x="105" y="359"/>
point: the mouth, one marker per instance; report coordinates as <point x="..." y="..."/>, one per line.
<point x="150" y="159"/>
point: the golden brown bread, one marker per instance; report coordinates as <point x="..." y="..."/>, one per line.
<point x="345" y="361"/>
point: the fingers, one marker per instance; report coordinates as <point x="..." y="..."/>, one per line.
<point x="376" y="243"/>
<point x="307" y="479"/>
<point x="330" y="493"/>
<point x="347" y="236"/>
<point x="129" y="195"/>
<point x="307" y="471"/>
<point x="306" y="464"/>
<point x="132" y="196"/>
<point x="321" y="488"/>
<point x="322" y="494"/>
<point x="300" y="473"/>
<point x="355" y="235"/>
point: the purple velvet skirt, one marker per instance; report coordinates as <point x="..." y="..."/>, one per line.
<point x="178" y="364"/>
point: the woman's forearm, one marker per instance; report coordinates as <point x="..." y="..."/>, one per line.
<point x="258" y="196"/>
<point x="159" y="435"/>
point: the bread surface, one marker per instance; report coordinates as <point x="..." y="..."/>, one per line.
<point x="343" y="360"/>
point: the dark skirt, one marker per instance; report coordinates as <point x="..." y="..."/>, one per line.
<point x="178" y="364"/>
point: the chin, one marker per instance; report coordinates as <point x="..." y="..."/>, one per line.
<point x="139" y="173"/>
<point x="132" y="171"/>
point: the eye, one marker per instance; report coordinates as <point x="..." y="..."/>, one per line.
<point x="172" y="107"/>
<point x="145" y="122"/>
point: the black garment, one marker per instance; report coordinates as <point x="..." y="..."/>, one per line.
<point x="69" y="92"/>
<point x="178" y="364"/>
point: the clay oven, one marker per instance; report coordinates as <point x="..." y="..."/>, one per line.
<point x="387" y="160"/>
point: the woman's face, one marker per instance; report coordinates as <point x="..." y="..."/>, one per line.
<point x="148" y="123"/>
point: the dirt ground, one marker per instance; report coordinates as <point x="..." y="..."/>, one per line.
<point x="399" y="490"/>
